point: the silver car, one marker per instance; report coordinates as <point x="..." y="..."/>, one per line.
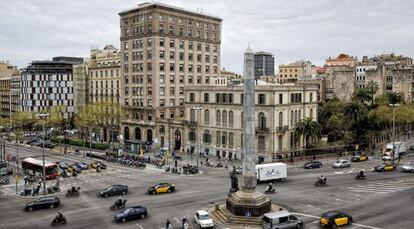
<point x="409" y="167"/>
<point x="342" y="163"/>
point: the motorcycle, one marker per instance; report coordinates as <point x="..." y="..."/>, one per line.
<point x="267" y="191"/>
<point x="71" y="193"/>
<point x="360" y="177"/>
<point x="141" y="165"/>
<point x="320" y="182"/>
<point x="117" y="207"/>
<point x="58" y="221"/>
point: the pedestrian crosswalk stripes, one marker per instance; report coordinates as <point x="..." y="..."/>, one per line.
<point x="382" y="187"/>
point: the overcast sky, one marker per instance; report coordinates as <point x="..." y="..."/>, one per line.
<point x="290" y="29"/>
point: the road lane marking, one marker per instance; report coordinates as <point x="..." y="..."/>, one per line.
<point x="317" y="217"/>
<point x="139" y="226"/>
<point x="178" y="221"/>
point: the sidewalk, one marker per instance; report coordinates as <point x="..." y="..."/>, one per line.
<point x="10" y="189"/>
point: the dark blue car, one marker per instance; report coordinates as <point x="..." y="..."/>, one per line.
<point x="131" y="213"/>
<point x="312" y="165"/>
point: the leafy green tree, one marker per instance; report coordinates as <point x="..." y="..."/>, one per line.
<point x="308" y="130"/>
<point x="85" y="121"/>
<point x="405" y="117"/>
<point x="395" y="98"/>
<point x="336" y="127"/>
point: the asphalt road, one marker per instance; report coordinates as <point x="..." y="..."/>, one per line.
<point x="383" y="200"/>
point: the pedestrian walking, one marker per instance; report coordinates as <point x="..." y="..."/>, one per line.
<point x="26" y="179"/>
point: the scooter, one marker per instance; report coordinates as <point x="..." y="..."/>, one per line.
<point x="70" y="193"/>
<point x="58" y="221"/>
<point x="360" y="177"/>
<point x="320" y="182"/>
<point x="116" y="207"/>
<point x="271" y="191"/>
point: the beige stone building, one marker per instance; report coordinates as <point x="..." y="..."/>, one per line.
<point x="340" y="75"/>
<point x="7" y="70"/>
<point x="5" y="97"/>
<point x="289" y="73"/>
<point x="104" y="75"/>
<point x="391" y="72"/>
<point x="164" y="49"/>
<point x="213" y="118"/>
<point x="15" y="94"/>
<point x="80" y="86"/>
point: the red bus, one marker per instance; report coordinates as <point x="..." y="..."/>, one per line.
<point x="36" y="166"/>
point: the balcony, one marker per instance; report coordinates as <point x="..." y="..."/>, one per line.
<point x="282" y="128"/>
<point x="262" y="130"/>
<point x="189" y="123"/>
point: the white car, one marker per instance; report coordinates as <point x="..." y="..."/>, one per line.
<point x="409" y="167"/>
<point x="202" y="219"/>
<point x="342" y="163"/>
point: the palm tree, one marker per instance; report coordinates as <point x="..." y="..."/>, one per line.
<point x="372" y="89"/>
<point x="309" y="129"/>
<point x="356" y="111"/>
<point x="395" y="97"/>
<point x="361" y="95"/>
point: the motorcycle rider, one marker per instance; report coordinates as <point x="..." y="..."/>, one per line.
<point x="361" y="174"/>
<point x="322" y="179"/>
<point x="59" y="217"/>
<point x="118" y="202"/>
<point x="270" y="187"/>
<point x="73" y="190"/>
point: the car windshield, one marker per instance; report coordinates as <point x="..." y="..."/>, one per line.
<point x="204" y="216"/>
<point x="127" y="211"/>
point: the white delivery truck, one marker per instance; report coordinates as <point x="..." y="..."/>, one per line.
<point x="399" y="149"/>
<point x="271" y="171"/>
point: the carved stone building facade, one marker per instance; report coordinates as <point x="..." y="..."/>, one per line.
<point x="214" y="118"/>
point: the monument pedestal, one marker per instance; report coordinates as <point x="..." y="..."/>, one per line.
<point x="254" y="202"/>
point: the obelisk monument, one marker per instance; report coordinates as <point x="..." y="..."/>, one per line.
<point x="248" y="200"/>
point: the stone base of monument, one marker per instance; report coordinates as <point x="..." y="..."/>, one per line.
<point x="243" y="209"/>
<point x="222" y="216"/>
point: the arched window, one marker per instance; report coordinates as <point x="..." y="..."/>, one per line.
<point x="224" y="119"/>
<point x="311" y="113"/>
<point x="192" y="115"/>
<point x="218" y="118"/>
<point x="207" y="117"/>
<point x="231" y="119"/>
<point x="262" y="121"/>
<point x="280" y="119"/>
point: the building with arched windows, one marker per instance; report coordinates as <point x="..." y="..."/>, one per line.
<point x="215" y="126"/>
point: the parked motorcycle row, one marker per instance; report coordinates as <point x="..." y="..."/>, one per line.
<point x="129" y="161"/>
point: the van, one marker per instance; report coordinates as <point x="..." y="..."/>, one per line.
<point x="399" y="149"/>
<point x="281" y="219"/>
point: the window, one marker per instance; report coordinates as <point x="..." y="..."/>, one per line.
<point x="181" y="78"/>
<point x="172" y="78"/>
<point x="218" y="118"/>
<point x="218" y="134"/>
<point x="207" y="48"/>
<point x="149" y="54"/>
<point x="280" y="98"/>
<point x="172" y="90"/>
<point x="198" y="46"/>
<point x="172" y="55"/>
<point x="224" y="139"/>
<point x="190" y="45"/>
<point x="171" y="43"/>
<point x="181" y="56"/>
<point x="192" y="97"/>
<point x="206" y="97"/>
<point x="161" y="28"/>
<point x="192" y="115"/>
<point x="161" y="54"/>
<point x="231" y="137"/>
<point x="231" y="119"/>
<point x="161" y="79"/>
<point x="262" y="143"/>
<point x="311" y="97"/>
<point x="311" y="113"/>
<point x="280" y="119"/>
<point x="161" y="90"/>
<point x="262" y="99"/>
<point x="199" y="57"/>
<point x="262" y="121"/>
<point x="181" y="45"/>
<point x="190" y="56"/>
<point x="206" y="117"/>
<point x="224" y="118"/>
<point x="149" y="42"/>
<point x="172" y="67"/>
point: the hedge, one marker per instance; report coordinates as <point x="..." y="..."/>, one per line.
<point x="81" y="143"/>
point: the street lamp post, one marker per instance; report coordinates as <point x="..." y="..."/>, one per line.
<point x="43" y="116"/>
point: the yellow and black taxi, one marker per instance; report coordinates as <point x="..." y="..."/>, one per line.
<point x="161" y="188"/>
<point x="96" y="163"/>
<point x="359" y="157"/>
<point x="73" y="167"/>
<point x="334" y="219"/>
<point x="385" y="167"/>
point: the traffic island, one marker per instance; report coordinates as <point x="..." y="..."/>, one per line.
<point x="222" y="216"/>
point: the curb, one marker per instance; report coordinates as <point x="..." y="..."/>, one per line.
<point x="18" y="197"/>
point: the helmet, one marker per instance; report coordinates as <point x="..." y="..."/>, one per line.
<point x="119" y="198"/>
<point x="270" y="183"/>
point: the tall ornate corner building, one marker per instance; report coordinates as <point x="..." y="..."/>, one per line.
<point x="105" y="75"/>
<point x="164" y="49"/>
